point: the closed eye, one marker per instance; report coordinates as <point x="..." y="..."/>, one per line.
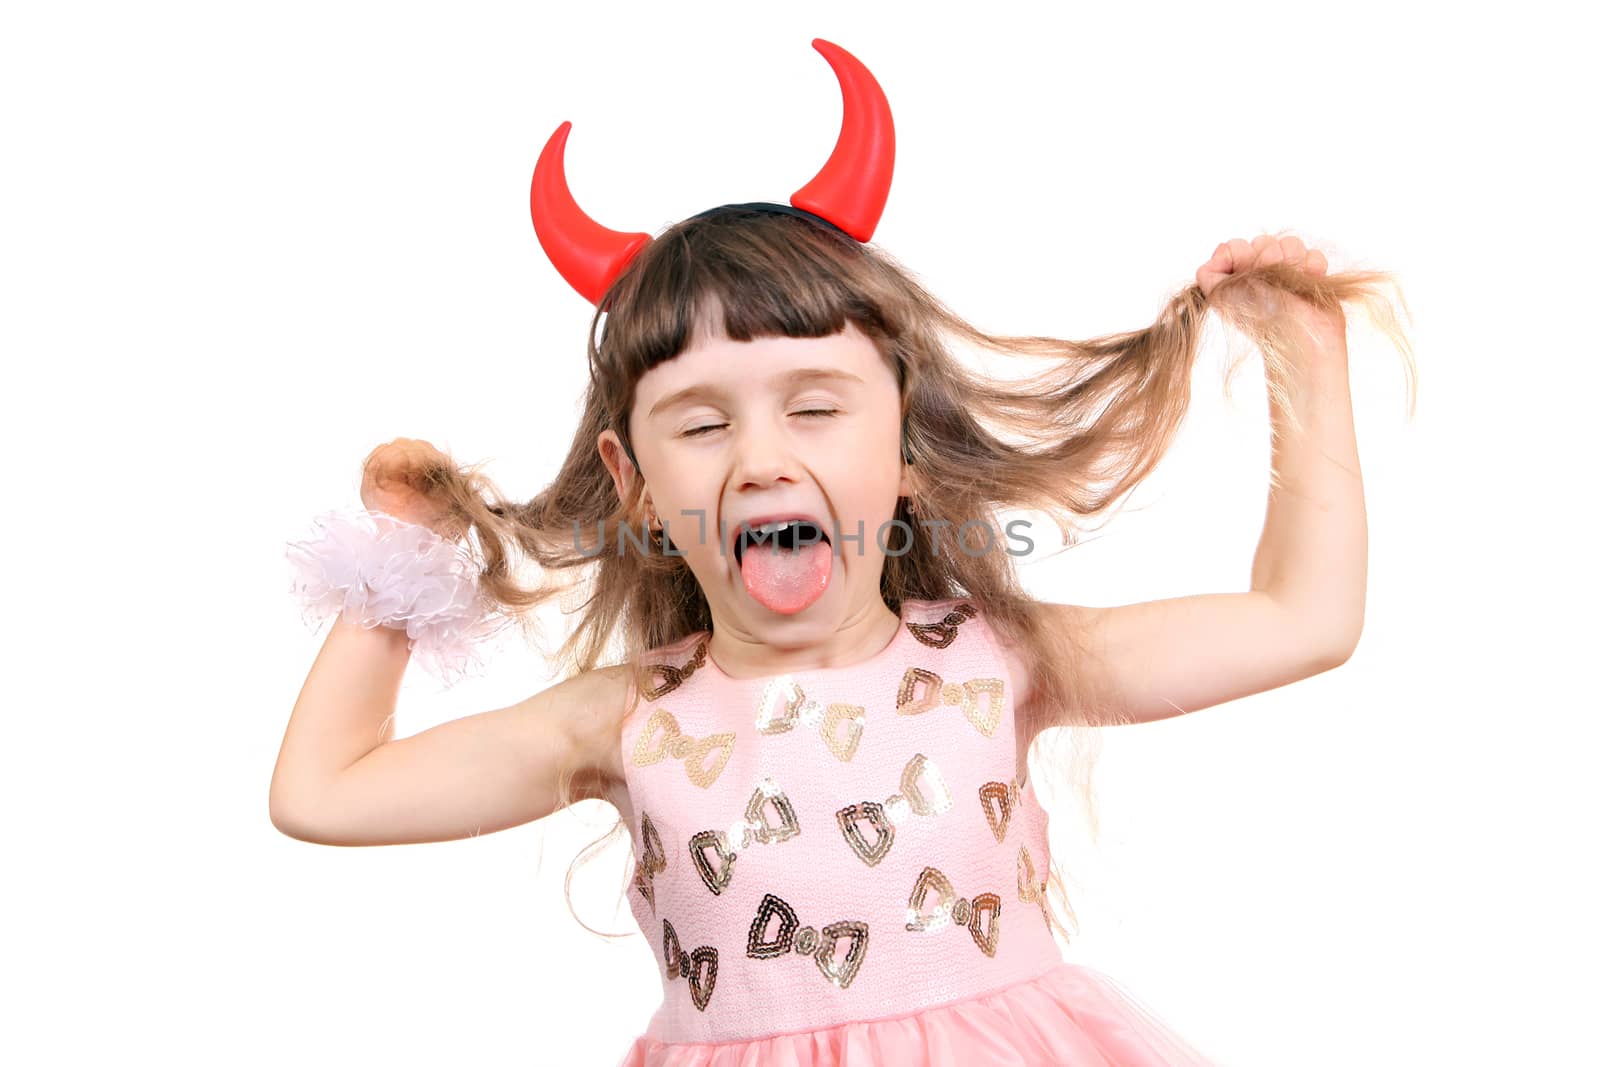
<point x="697" y="431"/>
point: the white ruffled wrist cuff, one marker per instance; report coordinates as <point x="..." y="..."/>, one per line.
<point x="377" y="570"/>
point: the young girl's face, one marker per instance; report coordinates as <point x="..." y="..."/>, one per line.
<point x="730" y="432"/>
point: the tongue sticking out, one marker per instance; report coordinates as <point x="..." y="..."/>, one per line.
<point x="786" y="580"/>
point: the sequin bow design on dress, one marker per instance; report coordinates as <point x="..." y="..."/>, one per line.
<point x="652" y="863"/>
<point x="922" y="791"/>
<point x="942" y="634"/>
<point x="954" y="909"/>
<point x="669" y="676"/>
<point x="784" y="703"/>
<point x="1031" y="888"/>
<point x="753" y="827"/>
<point x="923" y="690"/>
<point x="699" y="966"/>
<point x="679" y="745"/>
<point x="998" y="800"/>
<point x="807" y="941"/>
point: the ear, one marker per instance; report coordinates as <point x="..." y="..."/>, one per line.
<point x="623" y="473"/>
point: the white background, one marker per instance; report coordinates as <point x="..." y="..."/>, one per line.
<point x="242" y="244"/>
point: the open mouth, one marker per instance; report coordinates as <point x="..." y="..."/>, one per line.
<point x="788" y="535"/>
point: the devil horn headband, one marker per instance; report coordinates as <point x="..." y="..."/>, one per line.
<point x="849" y="191"/>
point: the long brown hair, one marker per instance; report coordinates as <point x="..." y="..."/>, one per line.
<point x="1069" y="438"/>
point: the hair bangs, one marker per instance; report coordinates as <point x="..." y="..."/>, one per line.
<point x="736" y="273"/>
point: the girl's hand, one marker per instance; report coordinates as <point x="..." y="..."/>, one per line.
<point x="395" y="481"/>
<point x="1239" y="256"/>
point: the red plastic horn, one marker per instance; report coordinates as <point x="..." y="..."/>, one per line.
<point x="588" y="255"/>
<point x="852" y="187"/>
<point x="849" y="191"/>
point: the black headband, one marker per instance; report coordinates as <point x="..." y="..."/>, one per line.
<point x="763" y="208"/>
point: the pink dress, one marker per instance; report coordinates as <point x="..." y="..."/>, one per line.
<point x="841" y="866"/>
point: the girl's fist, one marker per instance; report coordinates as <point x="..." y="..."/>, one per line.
<point x="1325" y="326"/>
<point x="402" y="478"/>
<point x="1238" y="255"/>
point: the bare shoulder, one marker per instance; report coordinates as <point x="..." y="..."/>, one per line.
<point x="1066" y="626"/>
<point x="594" y="704"/>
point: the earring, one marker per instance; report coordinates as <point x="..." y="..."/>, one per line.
<point x="911" y="506"/>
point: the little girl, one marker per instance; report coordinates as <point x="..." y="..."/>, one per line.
<point x="781" y="511"/>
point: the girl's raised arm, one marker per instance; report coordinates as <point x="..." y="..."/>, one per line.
<point x="1303" y="612"/>
<point x="341" y="780"/>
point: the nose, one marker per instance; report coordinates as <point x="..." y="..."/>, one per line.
<point x="765" y="456"/>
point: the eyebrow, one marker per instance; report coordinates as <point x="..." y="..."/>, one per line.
<point x="703" y="390"/>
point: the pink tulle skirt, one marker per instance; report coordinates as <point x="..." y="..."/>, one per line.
<point x="1071" y="1015"/>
